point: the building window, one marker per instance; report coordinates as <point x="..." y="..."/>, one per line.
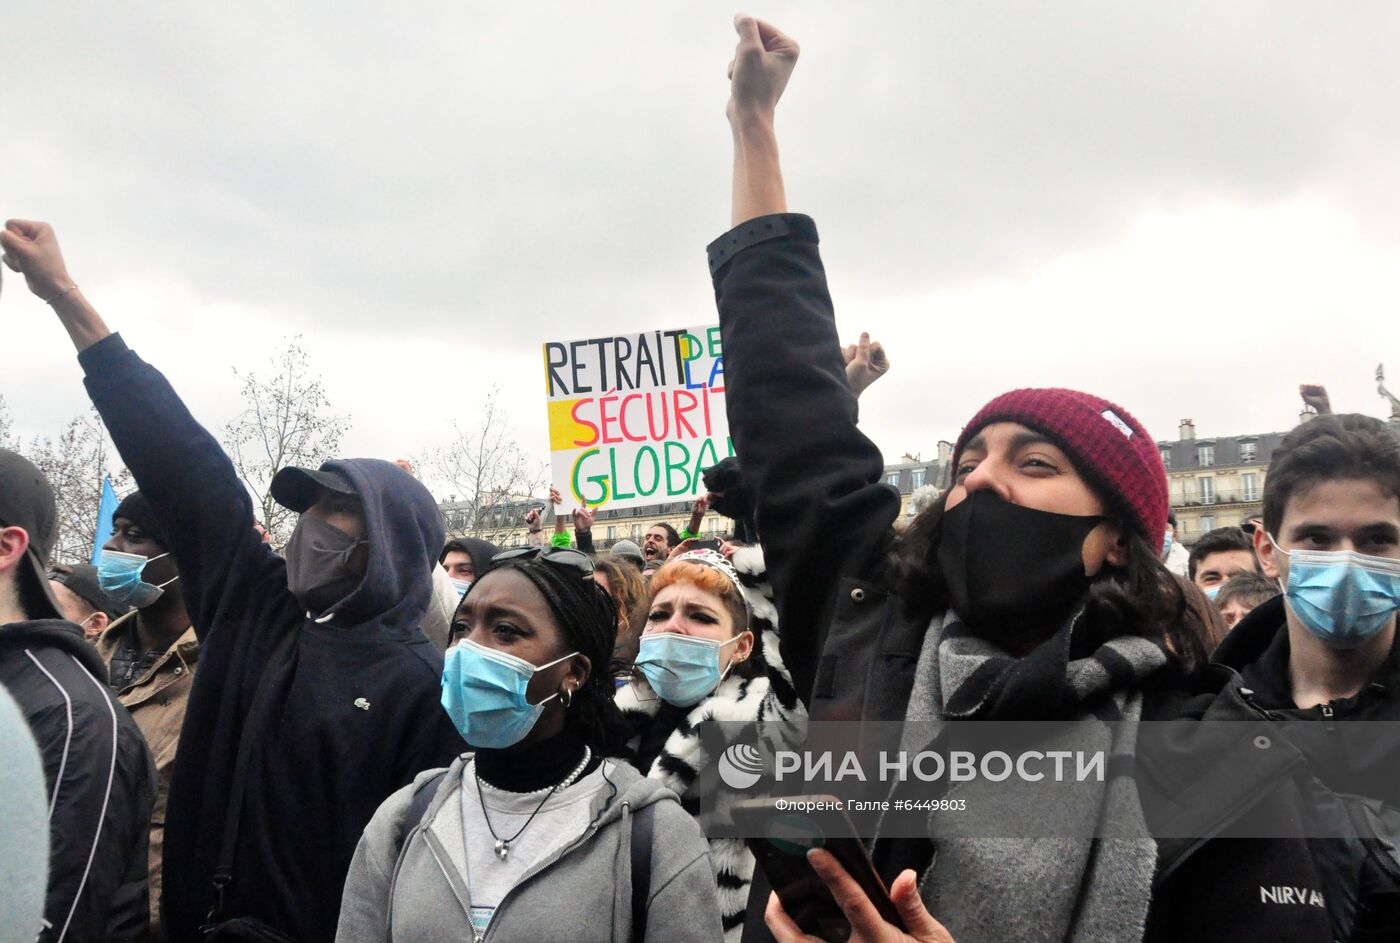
<point x="1205" y="455"/>
<point x="1247" y="452"/>
<point x="1207" y="523"/>
<point x="1251" y="486"/>
<point x="1207" y="486"/>
<point x="612" y="533"/>
<point x="893" y="479"/>
<point x="1167" y="457"/>
<point x="916" y="479"/>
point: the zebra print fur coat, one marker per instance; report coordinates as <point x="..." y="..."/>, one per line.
<point x="768" y="698"/>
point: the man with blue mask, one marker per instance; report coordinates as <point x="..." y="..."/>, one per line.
<point x="151" y="653"/>
<point x="317" y="695"/>
<point x="1331" y="538"/>
<point x="1318" y="662"/>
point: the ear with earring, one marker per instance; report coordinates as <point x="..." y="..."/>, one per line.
<point x="566" y="696"/>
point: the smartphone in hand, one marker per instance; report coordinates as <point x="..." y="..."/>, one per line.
<point x="780" y="839"/>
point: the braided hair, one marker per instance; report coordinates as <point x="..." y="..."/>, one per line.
<point x="587" y="617"/>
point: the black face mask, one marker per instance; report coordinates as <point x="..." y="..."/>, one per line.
<point x="1013" y="572"/>
<point x="319" y="570"/>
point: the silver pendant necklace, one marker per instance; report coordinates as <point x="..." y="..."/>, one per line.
<point x="502" y="847"/>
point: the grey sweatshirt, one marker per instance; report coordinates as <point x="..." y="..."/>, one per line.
<point x="581" y="893"/>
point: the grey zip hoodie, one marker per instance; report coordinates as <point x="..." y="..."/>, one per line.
<point x="581" y="893"/>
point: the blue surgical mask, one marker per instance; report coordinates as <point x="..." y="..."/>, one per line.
<point x="681" y="669"/>
<point x="1213" y="591"/>
<point x="119" y="575"/>
<point x="1341" y="596"/>
<point x="483" y="691"/>
<point x="1167" y="543"/>
<point x="461" y="586"/>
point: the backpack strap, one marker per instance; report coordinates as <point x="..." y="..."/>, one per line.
<point x="642" y="824"/>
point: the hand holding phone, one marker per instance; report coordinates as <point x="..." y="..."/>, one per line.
<point x="826" y="887"/>
<point x="864" y="923"/>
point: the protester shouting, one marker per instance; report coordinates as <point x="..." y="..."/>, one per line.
<point x="1031" y="590"/>
<point x="538" y="833"/>
<point x="1219" y="555"/>
<point x="101" y="784"/>
<point x="151" y="654"/>
<point x="709" y="652"/>
<point x="317" y="695"/>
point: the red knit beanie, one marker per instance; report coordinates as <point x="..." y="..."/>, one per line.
<point x="1108" y="446"/>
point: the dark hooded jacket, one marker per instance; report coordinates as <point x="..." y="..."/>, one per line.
<point x="100" y="779"/>
<point x="353" y="711"/>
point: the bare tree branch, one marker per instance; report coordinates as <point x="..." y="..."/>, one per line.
<point x="488" y="480"/>
<point x="287" y="420"/>
<point x="75" y="465"/>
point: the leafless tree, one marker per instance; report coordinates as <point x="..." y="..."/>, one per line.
<point x="75" y="465"/>
<point x="489" y="483"/>
<point x="6" y="428"/>
<point x="287" y="420"/>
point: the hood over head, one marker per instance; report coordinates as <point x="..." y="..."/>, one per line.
<point x="405" y="532"/>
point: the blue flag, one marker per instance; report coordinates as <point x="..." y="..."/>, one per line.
<point x="105" y="509"/>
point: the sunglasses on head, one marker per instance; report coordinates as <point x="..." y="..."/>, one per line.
<point x="559" y="556"/>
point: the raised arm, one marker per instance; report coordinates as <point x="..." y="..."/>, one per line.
<point x="762" y="64"/>
<point x="180" y="468"/>
<point x="821" y="509"/>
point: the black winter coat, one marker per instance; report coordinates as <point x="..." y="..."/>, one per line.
<point x="355" y="710"/>
<point x="823" y="511"/>
<point x="101" y="783"/>
<point x="1272" y="769"/>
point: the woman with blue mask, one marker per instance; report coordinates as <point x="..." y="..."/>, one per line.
<point x="534" y="833"/>
<point x="709" y="651"/>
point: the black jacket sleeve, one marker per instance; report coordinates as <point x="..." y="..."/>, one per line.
<point x="204" y="509"/>
<point x="584" y="540"/>
<point x="822" y="511"/>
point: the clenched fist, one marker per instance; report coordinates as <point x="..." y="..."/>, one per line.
<point x="31" y="248"/>
<point x="763" y="62"/>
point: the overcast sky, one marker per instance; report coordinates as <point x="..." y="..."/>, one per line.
<point x="1188" y="208"/>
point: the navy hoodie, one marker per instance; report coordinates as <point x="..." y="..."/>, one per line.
<point x="354" y="710"/>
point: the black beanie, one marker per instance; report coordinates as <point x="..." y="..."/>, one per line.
<point x="138" y="510"/>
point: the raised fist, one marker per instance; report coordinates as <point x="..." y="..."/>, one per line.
<point x="763" y="62"/>
<point x="1315" y="396"/>
<point x="31" y="248"/>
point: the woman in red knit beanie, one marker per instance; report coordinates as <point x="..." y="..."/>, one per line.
<point x="1030" y="591"/>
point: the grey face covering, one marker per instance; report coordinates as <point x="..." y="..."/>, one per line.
<point x="319" y="572"/>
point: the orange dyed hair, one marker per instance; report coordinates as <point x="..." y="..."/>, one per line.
<point x="707" y="579"/>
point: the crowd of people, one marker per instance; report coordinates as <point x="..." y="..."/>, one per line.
<point x="382" y="734"/>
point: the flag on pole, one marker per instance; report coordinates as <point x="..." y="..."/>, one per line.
<point x="105" y="509"/>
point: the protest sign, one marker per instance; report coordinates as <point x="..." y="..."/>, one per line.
<point x="634" y="419"/>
